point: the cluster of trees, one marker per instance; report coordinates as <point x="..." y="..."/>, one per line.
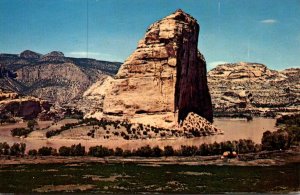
<point x="284" y="138"/>
<point x="74" y="150"/>
<point x="16" y="149"/>
<point x="31" y="124"/>
<point x="58" y="131"/>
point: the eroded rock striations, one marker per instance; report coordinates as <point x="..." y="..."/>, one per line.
<point x="164" y="79"/>
<point x="254" y="88"/>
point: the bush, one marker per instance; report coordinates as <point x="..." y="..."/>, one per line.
<point x="32" y="152"/>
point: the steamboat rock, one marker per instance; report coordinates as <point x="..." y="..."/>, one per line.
<point x="163" y="80"/>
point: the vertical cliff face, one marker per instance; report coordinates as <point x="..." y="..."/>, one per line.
<point x="191" y="91"/>
<point x="165" y="74"/>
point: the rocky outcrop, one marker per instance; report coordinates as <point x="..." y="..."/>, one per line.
<point x="164" y="79"/>
<point x="253" y="88"/>
<point x="166" y="73"/>
<point x="53" y="76"/>
<point x="30" y="55"/>
<point x="14" y="105"/>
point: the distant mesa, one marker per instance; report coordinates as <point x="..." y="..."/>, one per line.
<point x="245" y="87"/>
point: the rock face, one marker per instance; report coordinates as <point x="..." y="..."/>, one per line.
<point x="254" y="88"/>
<point x="166" y="73"/>
<point x="162" y="82"/>
<point x="53" y="76"/>
<point x="14" y="105"/>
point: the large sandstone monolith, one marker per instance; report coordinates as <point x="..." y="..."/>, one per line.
<point x="165" y="77"/>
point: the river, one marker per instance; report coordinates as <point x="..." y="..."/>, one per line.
<point x="234" y="129"/>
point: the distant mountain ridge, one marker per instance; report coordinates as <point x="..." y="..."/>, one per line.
<point x="52" y="76"/>
<point x="254" y="88"/>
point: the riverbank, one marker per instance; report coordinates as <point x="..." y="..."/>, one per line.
<point x="266" y="158"/>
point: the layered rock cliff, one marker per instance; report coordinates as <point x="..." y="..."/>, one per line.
<point x="254" y="88"/>
<point x="53" y="76"/>
<point x="165" y="74"/>
<point x="27" y="107"/>
<point x="164" y="79"/>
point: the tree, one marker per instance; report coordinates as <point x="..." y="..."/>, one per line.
<point x="22" y="148"/>
<point x="15" y="149"/>
<point x="64" y="151"/>
<point x="157" y="152"/>
<point x="118" y="151"/>
<point x="168" y="151"/>
<point x="46" y="151"/>
<point x="267" y="140"/>
<point x="33" y="152"/>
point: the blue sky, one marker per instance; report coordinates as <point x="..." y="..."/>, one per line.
<point x="264" y="31"/>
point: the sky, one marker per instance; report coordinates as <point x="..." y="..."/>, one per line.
<point x="261" y="31"/>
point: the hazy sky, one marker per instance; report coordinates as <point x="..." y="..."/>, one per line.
<point x="264" y="31"/>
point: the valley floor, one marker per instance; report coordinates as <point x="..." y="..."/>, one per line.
<point x="151" y="175"/>
<point x="264" y="158"/>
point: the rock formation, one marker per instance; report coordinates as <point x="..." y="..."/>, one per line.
<point x="164" y="79"/>
<point x="14" y="105"/>
<point x="254" y="88"/>
<point x="53" y="76"/>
